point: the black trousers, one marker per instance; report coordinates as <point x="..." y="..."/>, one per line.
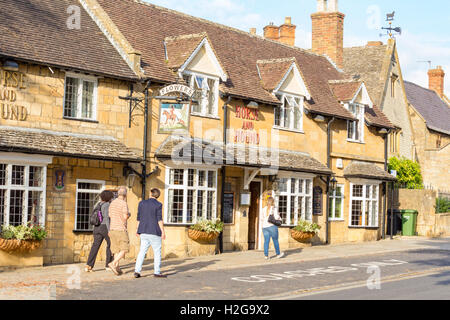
<point x="100" y="234"/>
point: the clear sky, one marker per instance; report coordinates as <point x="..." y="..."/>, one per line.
<point x="425" y="24"/>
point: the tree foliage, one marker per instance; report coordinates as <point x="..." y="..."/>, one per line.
<point x="408" y="172"/>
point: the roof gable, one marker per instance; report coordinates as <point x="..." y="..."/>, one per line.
<point x="430" y="106"/>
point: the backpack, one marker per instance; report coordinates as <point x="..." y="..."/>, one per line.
<point x="96" y="217"/>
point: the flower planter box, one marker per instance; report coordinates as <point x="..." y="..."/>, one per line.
<point x="302" y="236"/>
<point x="19" y="245"/>
<point x="202" y="237"/>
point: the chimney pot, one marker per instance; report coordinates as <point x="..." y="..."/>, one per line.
<point x="252" y="30"/>
<point x="288" y="20"/>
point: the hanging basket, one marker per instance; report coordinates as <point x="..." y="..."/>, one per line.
<point x="302" y="236"/>
<point x="19" y="246"/>
<point x="201" y="236"/>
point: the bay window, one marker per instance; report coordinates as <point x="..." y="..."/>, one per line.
<point x="80" y="97"/>
<point x="364" y="202"/>
<point x="290" y="114"/>
<point x="22" y="194"/>
<point x="192" y="195"/>
<point x="294" y="200"/>
<point x="355" y="128"/>
<point x="205" y="95"/>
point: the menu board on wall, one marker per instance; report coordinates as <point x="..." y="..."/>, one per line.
<point x="228" y="208"/>
<point x="317" y="201"/>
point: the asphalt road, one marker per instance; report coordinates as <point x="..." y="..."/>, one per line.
<point x="326" y="278"/>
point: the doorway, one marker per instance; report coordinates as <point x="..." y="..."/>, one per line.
<point x="253" y="215"/>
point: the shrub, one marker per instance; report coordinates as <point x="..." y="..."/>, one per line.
<point x="408" y="172"/>
<point x="208" y="226"/>
<point x="35" y="232"/>
<point x="305" y="226"/>
<point x="442" y="205"/>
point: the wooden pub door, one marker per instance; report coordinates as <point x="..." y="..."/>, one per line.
<point x="253" y="215"/>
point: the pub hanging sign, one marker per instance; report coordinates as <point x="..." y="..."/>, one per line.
<point x="180" y="88"/>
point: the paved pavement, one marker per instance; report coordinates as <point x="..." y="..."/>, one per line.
<point x="67" y="280"/>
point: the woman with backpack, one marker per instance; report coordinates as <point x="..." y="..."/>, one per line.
<point x="100" y="219"/>
<point x="271" y="220"/>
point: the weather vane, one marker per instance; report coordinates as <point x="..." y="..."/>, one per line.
<point x="390" y="29"/>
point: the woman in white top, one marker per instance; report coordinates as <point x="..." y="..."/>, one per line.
<point x="270" y="230"/>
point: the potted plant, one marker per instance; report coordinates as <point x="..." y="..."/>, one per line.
<point x="205" y="230"/>
<point x="304" y="231"/>
<point x="21" y="238"/>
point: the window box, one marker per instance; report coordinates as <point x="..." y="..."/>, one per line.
<point x="202" y="237"/>
<point x="19" y="246"/>
<point x="301" y="236"/>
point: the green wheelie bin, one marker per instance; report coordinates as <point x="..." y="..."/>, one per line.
<point x="409" y="222"/>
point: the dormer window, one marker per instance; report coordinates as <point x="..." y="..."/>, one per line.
<point x="206" y="93"/>
<point x="355" y="128"/>
<point x="290" y="114"/>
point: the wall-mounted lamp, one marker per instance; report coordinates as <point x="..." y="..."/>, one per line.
<point x="319" y="118"/>
<point x="383" y="131"/>
<point x="11" y="65"/>
<point x="333" y="184"/>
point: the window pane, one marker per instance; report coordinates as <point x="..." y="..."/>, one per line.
<point x="2" y="174"/>
<point x="301" y="212"/>
<point x="196" y="106"/>
<point x="88" y="100"/>
<point x="373" y="221"/>
<point x="35" y="177"/>
<point x="293" y="211"/>
<point x="375" y="192"/>
<point x="293" y="182"/>
<point x="308" y="185"/>
<point x="300" y="185"/>
<point x="85" y="205"/>
<point x="211" y="179"/>
<point x="338" y="208"/>
<point x="283" y="185"/>
<point x="308" y="208"/>
<point x="34" y="207"/>
<point x="367" y="213"/>
<point x="201" y="178"/>
<point x="70" y="102"/>
<point x="210" y="205"/>
<point x="89" y="186"/>
<point x="288" y="112"/>
<point x="357" y="191"/>
<point x="277" y="116"/>
<point x="176" y="177"/>
<point x="211" y="97"/>
<point x="2" y="206"/>
<point x="190" y="206"/>
<point x="356" y="213"/>
<point x="176" y="206"/>
<point x="18" y="175"/>
<point x="200" y="198"/>
<point x="16" y="207"/>
<point x="282" y="208"/>
<point x="191" y="176"/>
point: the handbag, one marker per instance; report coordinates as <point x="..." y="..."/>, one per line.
<point x="274" y="221"/>
<point x="96" y="217"/>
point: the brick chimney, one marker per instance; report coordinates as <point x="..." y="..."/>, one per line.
<point x="328" y="31"/>
<point x="287" y="32"/>
<point x="436" y="80"/>
<point x="252" y="30"/>
<point x="272" y="32"/>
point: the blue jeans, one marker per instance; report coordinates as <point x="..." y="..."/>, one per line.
<point x="148" y="240"/>
<point x="271" y="232"/>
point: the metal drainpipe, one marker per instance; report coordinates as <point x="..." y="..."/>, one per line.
<point x="223" y="170"/>
<point x="327" y="222"/>
<point x="144" y="163"/>
<point x="385" y="185"/>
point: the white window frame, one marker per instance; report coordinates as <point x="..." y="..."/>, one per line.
<point x="361" y="122"/>
<point x="286" y="97"/>
<point x="307" y="196"/>
<point x="81" y="78"/>
<point x="101" y="182"/>
<point x="364" y="200"/>
<point x="204" y="103"/>
<point x="332" y="203"/>
<point x="27" y="162"/>
<point x="186" y="188"/>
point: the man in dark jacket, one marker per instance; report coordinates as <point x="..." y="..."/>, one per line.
<point x="151" y="231"/>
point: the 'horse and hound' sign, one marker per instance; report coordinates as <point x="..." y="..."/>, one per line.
<point x="174" y="116"/>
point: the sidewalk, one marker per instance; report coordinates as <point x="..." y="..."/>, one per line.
<point x="20" y="283"/>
